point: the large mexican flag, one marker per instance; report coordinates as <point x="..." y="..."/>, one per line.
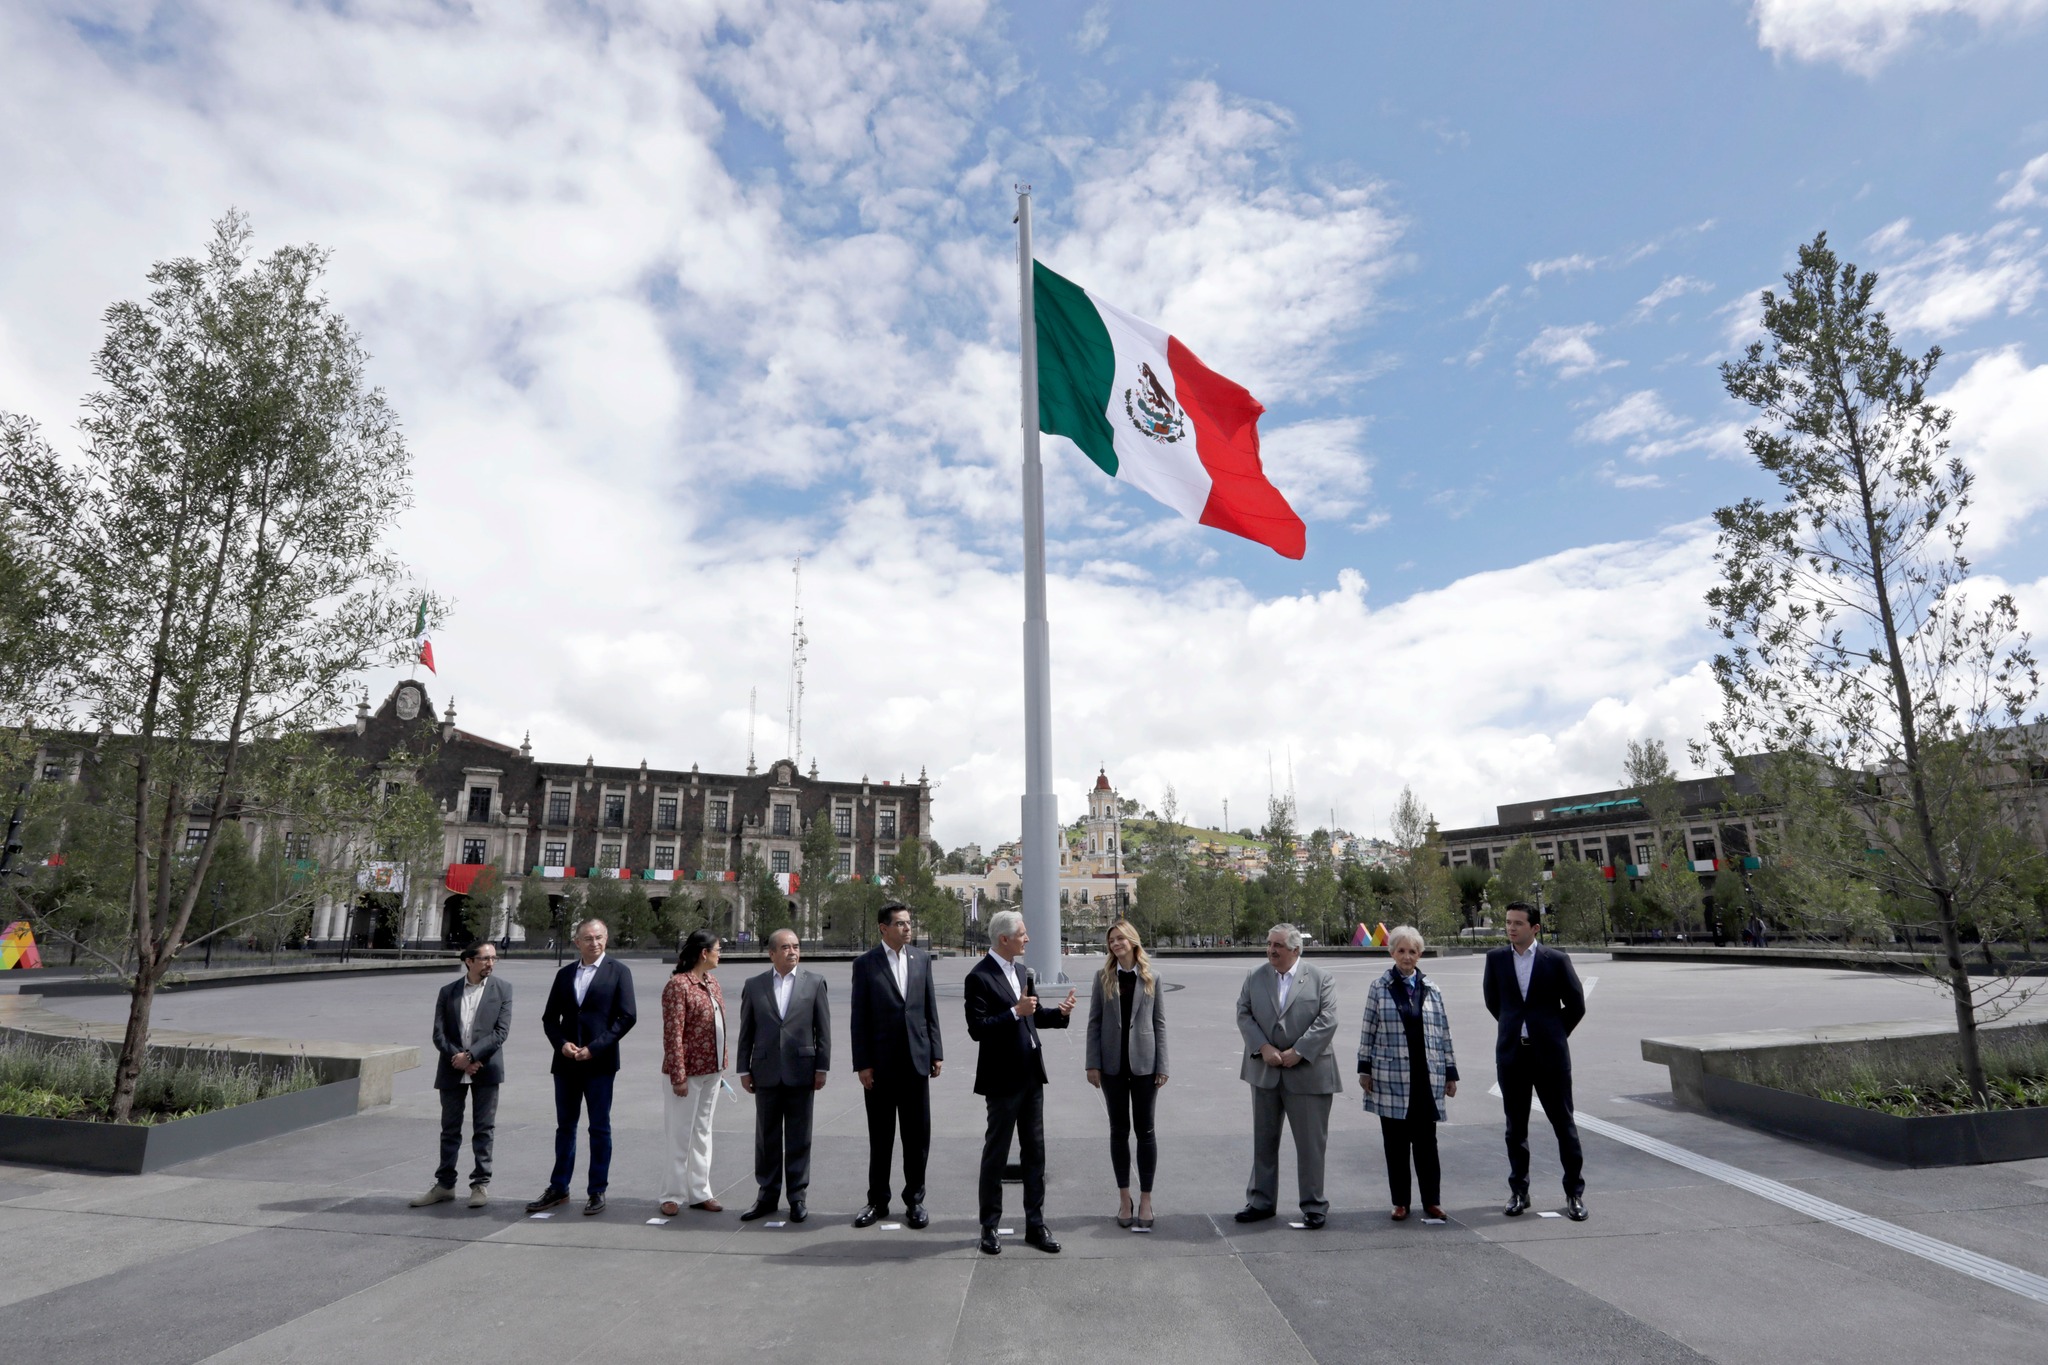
<point x="1140" y="405"/>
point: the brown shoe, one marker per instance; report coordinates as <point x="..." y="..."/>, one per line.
<point x="1400" y="1214"/>
<point x="1433" y="1211"/>
<point x="670" y="1208"/>
<point x="709" y="1206"/>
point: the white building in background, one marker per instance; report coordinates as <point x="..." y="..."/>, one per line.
<point x="1094" y="881"/>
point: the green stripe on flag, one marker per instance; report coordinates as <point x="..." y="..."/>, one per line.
<point x="419" y="626"/>
<point x="1076" y="367"/>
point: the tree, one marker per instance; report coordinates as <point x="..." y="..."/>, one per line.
<point x="911" y="881"/>
<point x="767" y="907"/>
<point x="536" y="913"/>
<point x="1280" y="888"/>
<point x="1856" y="657"/>
<point x="634" y="923"/>
<point x="1424" y="894"/>
<point x="1669" y="882"/>
<point x="820" y="868"/>
<point x="1322" y="905"/>
<point x="1520" y="876"/>
<point x="1578" y="901"/>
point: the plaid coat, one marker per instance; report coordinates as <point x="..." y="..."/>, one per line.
<point x="1383" y="1048"/>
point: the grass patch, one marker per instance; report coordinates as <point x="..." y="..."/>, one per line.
<point x="75" y="1080"/>
<point x="2015" y="1073"/>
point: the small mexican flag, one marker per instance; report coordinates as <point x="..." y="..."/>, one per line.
<point x="419" y="630"/>
<point x="1144" y="409"/>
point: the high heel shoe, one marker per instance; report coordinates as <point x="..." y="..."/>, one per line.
<point x="1124" y="1220"/>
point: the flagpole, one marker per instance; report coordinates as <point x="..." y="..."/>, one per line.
<point x="1041" y="806"/>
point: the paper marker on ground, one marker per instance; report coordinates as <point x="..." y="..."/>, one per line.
<point x="656" y="1222"/>
<point x="892" y="1227"/>
<point x="1548" y="1214"/>
<point x="783" y="1224"/>
<point x="538" y="1216"/>
<point x="1433" y="1222"/>
<point x="1297" y="1225"/>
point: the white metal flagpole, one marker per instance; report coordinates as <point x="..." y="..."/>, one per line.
<point x="1041" y="806"/>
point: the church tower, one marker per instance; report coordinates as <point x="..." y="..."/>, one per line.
<point x="1104" y="831"/>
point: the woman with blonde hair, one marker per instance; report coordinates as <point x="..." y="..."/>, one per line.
<point x="1127" y="1063"/>
<point x="1406" y="1068"/>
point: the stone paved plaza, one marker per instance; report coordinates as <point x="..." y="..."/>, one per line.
<point x="302" y="1248"/>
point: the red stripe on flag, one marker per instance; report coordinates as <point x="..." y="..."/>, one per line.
<point x="1226" y="419"/>
<point x="427" y="656"/>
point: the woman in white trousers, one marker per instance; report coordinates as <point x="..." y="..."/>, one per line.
<point x="692" y="1057"/>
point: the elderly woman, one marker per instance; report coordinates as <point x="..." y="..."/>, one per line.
<point x="1406" y="1069"/>
<point x="692" y="1056"/>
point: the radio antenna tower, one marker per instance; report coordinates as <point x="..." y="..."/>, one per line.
<point x="798" y="641"/>
<point x="750" y="731"/>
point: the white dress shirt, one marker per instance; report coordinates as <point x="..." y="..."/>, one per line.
<point x="472" y="996"/>
<point x="1287" y="984"/>
<point x="584" y="975"/>
<point x="899" y="967"/>
<point x="1525" y="967"/>
<point x="785" y="982"/>
<point x="1009" y="970"/>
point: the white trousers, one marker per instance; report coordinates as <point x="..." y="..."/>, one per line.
<point x="687" y="1119"/>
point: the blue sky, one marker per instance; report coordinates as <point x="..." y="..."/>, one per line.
<point x="670" y="293"/>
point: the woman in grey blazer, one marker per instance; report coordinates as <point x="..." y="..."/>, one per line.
<point x="1127" y="1063"/>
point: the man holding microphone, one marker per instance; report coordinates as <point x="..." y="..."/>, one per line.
<point x="1004" y="1016"/>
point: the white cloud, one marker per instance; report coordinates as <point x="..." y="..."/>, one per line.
<point x="1641" y="413"/>
<point x="1653" y="432"/>
<point x="1863" y="35"/>
<point x="1673" y="287"/>
<point x="1566" y="266"/>
<point x="1569" y="350"/>
<point x="1320" y="466"/>
<point x="2001" y="430"/>
<point x="1611" y="473"/>
<point x="1944" y="286"/>
<point x="2029" y="186"/>
<point x="1094" y="29"/>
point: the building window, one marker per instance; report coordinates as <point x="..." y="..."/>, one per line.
<point x="665" y="813"/>
<point x="479" y="805"/>
<point x="1703" y="850"/>
<point x="842" y="821"/>
<point x="719" y="813"/>
<point x="554" y="855"/>
<point x="53" y="772"/>
<point x="778" y="861"/>
<point x="558" y="808"/>
<point x="845" y="862"/>
<point x="664" y="855"/>
<point x="614" y="811"/>
<point x="1593" y="854"/>
<point x="472" y="850"/>
<point x="1644" y="853"/>
<point x="194" y="837"/>
<point x="782" y="823"/>
<point x="298" y="846"/>
<point x="608" y="855"/>
<point x="885" y="823"/>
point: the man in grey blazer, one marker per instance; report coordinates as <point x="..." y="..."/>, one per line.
<point x="785" y="1049"/>
<point x="472" y="1018"/>
<point x="1287" y="1014"/>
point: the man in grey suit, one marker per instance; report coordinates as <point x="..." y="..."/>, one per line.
<point x="472" y="1018"/>
<point x="785" y="1049"/>
<point x="1287" y="1013"/>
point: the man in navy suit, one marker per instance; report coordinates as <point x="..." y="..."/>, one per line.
<point x="1004" y="1016"/>
<point x="589" y="1009"/>
<point x="1534" y="994"/>
<point x="897" y="1055"/>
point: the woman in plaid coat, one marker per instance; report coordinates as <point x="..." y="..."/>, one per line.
<point x="1406" y="1069"/>
<point x="692" y="1057"/>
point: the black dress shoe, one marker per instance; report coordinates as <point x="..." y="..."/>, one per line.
<point x="1251" y="1213"/>
<point x="991" y="1245"/>
<point x="868" y="1216"/>
<point x="550" y="1198"/>
<point x="918" y="1218"/>
<point x="1040" y="1236"/>
<point x="1575" y="1209"/>
<point x="1313" y="1221"/>
<point x="798" y="1210"/>
<point x="1518" y="1204"/>
<point x="594" y="1205"/>
<point x="762" y="1208"/>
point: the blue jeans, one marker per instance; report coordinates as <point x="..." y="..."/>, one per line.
<point x="571" y="1093"/>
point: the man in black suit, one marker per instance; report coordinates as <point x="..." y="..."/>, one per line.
<point x="589" y="1009"/>
<point x="897" y="1054"/>
<point x="472" y="1017"/>
<point x="1004" y="1016"/>
<point x="1534" y="992"/>
<point x="784" y="1051"/>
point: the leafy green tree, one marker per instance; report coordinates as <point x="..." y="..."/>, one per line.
<point x="537" y="914"/>
<point x="1578" y="902"/>
<point x="1322" y="905"/>
<point x="1280" y="888"/>
<point x="818" y="871"/>
<point x="911" y="881"/>
<point x="1856" y="647"/>
<point x="850" y="911"/>
<point x="1424" y="893"/>
<point x="1521" y="875"/>
<point x="636" y="925"/>
<point x="1670" y="884"/>
<point x="767" y="907"/>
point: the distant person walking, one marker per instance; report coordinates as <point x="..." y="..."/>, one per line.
<point x="897" y="1055"/>
<point x="1534" y="992"/>
<point x="1407" y="1069"/>
<point x="472" y="1019"/>
<point x="692" y="1057"/>
<point x="1004" y="1015"/>
<point x="1287" y="1016"/>
<point x="590" y="1008"/>
<point x="785" y="1049"/>
<point x="1127" y="1063"/>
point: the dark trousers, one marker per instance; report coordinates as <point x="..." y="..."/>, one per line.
<point x="903" y="1100"/>
<point x="572" y="1093"/>
<point x="1021" y="1114"/>
<point x="1131" y="1100"/>
<point x="1551" y="1084"/>
<point x="483" y="1125"/>
<point x="1414" y="1136"/>
<point x="782" y="1139"/>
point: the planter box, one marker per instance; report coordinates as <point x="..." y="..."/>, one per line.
<point x="1937" y="1140"/>
<point x="132" y="1148"/>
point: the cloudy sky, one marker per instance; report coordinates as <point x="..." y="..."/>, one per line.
<point x="670" y="293"/>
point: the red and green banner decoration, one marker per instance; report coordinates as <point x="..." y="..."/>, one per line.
<point x="1148" y="413"/>
<point x="419" y="630"/>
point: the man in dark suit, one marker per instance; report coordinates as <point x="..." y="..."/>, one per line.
<point x="1004" y="1016"/>
<point x="472" y="1017"/>
<point x="589" y="1009"/>
<point x="784" y="1051"/>
<point x="1534" y="992"/>
<point x="897" y="1054"/>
